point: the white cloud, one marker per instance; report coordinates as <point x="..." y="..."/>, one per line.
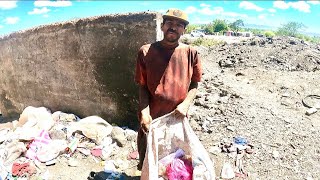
<point x="198" y="20"/>
<point x="299" y="5"/>
<point x="272" y="10"/>
<point x="190" y="10"/>
<point x="233" y="14"/>
<point x="8" y="4"/>
<point x="59" y="3"/>
<point x="262" y="16"/>
<point x="280" y="5"/>
<point x="45" y="15"/>
<point x="250" y="6"/>
<point x="1" y="26"/>
<point x="314" y="2"/>
<point x="208" y="11"/>
<point x="218" y="10"/>
<point x="204" y="5"/>
<point x="43" y="10"/>
<point x="11" y="20"/>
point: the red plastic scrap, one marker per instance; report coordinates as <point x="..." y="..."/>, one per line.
<point x="22" y="169"/>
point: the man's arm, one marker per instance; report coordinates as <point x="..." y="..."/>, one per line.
<point x="144" y="110"/>
<point x="182" y="108"/>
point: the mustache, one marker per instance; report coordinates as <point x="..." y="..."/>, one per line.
<point x="171" y="30"/>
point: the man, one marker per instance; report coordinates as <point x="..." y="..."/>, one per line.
<point x="168" y="73"/>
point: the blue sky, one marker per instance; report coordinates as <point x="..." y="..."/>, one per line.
<point x="25" y="14"/>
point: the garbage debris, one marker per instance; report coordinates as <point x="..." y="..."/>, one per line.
<point x="24" y="169"/>
<point x="227" y="171"/>
<point x="41" y="139"/>
<point x="236" y="150"/>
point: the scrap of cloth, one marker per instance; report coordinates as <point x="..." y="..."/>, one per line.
<point x="42" y="140"/>
<point x="22" y="169"/>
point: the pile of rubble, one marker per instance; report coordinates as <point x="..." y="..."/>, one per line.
<point x="40" y="139"/>
<point x="280" y="53"/>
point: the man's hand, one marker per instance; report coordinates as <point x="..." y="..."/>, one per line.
<point x="181" y="110"/>
<point x="145" y="121"/>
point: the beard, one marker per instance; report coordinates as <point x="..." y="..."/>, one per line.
<point x="171" y="36"/>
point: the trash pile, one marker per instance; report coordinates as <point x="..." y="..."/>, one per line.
<point x="236" y="151"/>
<point x="40" y="138"/>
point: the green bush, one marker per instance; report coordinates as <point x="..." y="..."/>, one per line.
<point x="269" y="34"/>
<point x="206" y="42"/>
<point x="308" y="38"/>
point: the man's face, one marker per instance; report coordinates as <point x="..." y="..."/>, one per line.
<point x="173" y="29"/>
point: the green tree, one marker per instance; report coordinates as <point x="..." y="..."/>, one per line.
<point x="209" y="28"/>
<point x="219" y="25"/>
<point x="290" y="29"/>
<point x="236" y="26"/>
<point x="191" y="27"/>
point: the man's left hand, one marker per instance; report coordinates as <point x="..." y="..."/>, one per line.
<point x="181" y="111"/>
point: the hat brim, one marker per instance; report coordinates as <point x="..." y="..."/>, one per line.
<point x="166" y="16"/>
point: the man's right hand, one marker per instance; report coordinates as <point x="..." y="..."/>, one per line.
<point x="145" y="121"/>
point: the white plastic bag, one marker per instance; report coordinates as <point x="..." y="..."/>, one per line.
<point x="166" y="135"/>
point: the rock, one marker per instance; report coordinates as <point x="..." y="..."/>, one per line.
<point x="73" y="162"/>
<point x="214" y="150"/>
<point x="131" y="134"/>
<point x="52" y="162"/>
<point x="231" y="128"/>
<point x="311" y="111"/>
<point x="57" y="134"/>
<point x="275" y="154"/>
<point x="292" y="42"/>
<point x="118" y="135"/>
<point x="286" y="95"/>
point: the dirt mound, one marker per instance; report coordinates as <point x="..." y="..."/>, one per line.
<point x="281" y="53"/>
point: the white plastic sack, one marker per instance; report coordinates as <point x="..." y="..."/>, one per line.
<point x="93" y="127"/>
<point x="166" y="135"/>
<point x="39" y="117"/>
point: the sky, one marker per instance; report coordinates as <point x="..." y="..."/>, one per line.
<point x="26" y="14"/>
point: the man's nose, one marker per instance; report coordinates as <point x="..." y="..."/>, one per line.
<point x="174" y="26"/>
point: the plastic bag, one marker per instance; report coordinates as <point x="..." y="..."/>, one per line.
<point x="166" y="135"/>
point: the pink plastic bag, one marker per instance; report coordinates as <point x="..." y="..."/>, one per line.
<point x="38" y="142"/>
<point x="180" y="169"/>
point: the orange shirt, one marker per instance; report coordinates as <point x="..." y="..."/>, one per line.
<point x="167" y="74"/>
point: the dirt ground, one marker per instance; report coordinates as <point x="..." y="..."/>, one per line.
<point x="254" y="89"/>
<point x="251" y="88"/>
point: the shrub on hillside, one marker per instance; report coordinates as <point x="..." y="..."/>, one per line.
<point x="269" y="34"/>
<point x="206" y="42"/>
